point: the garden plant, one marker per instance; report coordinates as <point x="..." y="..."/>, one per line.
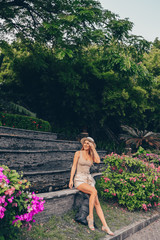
<point x="148" y="156"/>
<point x="134" y="183"/>
<point x="17" y="205"/>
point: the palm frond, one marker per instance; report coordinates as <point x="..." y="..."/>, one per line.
<point x="130" y="130"/>
<point x="21" y="109"/>
<point x="137" y="137"/>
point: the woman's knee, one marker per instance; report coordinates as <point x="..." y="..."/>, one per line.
<point x="94" y="192"/>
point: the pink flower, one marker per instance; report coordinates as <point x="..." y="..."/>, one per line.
<point x="106" y="179"/>
<point x="152" y="165"/>
<point x="18" y="194"/>
<point x="5" y="204"/>
<point x="114" y="194"/>
<point x="10" y="200"/>
<point x="2" y="210"/>
<point x="120" y="171"/>
<point x="10" y="191"/>
<point x="2" y="199"/>
<point x="143" y="186"/>
<point x="36" y="206"/>
<point x="133" y="178"/>
<point x="144" y="207"/>
<point x="106" y="190"/>
<point x="3" y="177"/>
<point x="14" y="204"/>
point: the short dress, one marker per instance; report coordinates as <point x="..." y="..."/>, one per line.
<point x="83" y="172"/>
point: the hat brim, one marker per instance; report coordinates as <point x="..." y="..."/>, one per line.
<point x="85" y="138"/>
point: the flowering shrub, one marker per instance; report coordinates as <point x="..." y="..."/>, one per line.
<point x="17" y="206"/>
<point x="131" y="181"/>
<point x="147" y="155"/>
<point x="24" y="122"/>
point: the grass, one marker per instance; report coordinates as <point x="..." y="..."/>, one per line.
<point x="65" y="228"/>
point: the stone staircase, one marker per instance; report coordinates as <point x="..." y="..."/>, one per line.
<point x="44" y="160"/>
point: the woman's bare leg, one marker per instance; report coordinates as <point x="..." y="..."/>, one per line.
<point x="100" y="212"/>
<point x="101" y="216"/>
<point x="86" y="188"/>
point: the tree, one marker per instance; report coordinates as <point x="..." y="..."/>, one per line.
<point x="79" y="65"/>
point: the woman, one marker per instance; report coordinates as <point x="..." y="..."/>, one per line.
<point x="84" y="182"/>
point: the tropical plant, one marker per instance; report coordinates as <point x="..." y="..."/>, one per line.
<point x="132" y="182"/>
<point x="17" y="205"/>
<point x="137" y="137"/>
<point x="11" y="107"/>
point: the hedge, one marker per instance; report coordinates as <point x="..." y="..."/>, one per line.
<point x="24" y="122"/>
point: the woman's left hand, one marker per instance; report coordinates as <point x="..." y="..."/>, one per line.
<point x="91" y="146"/>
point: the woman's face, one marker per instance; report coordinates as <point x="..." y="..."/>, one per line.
<point x="86" y="145"/>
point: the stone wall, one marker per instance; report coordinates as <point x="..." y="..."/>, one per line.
<point x="27" y="133"/>
<point x="45" y="162"/>
<point x="30" y="143"/>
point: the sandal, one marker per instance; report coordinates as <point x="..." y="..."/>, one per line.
<point x="107" y="230"/>
<point x="90" y="223"/>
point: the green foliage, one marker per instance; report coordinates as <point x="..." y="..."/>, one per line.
<point x="148" y="156"/>
<point x="11" y="107"/>
<point x="81" y="68"/>
<point x="24" y="122"/>
<point x="110" y="146"/>
<point x="132" y="182"/>
<point x="152" y="61"/>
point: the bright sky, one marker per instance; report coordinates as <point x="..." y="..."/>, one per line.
<point x="145" y="14"/>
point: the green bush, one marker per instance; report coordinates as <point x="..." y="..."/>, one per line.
<point x="0" y="123"/>
<point x="148" y="156"/>
<point x="132" y="182"/>
<point x="24" y="122"/>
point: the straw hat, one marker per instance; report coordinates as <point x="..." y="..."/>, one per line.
<point x="88" y="139"/>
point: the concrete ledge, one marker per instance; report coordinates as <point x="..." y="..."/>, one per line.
<point x="131" y="229"/>
<point x="45" y="172"/>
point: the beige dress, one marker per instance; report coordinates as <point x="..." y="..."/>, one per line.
<point x="83" y="172"/>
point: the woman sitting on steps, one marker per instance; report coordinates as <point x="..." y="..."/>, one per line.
<point x="84" y="182"/>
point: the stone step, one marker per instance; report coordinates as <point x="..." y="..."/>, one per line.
<point x="28" y="133"/>
<point x="60" y="202"/>
<point x="46" y="181"/>
<point x="38" y="160"/>
<point x="30" y="143"/>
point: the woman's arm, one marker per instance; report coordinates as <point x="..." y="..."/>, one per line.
<point x="96" y="156"/>
<point x="73" y="169"/>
